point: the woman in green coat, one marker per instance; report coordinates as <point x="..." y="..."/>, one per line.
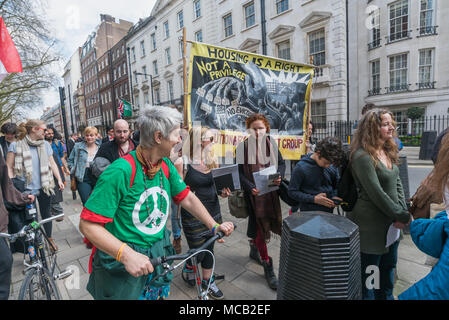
<point x="380" y="205"/>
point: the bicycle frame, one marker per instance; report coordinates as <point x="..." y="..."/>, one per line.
<point x="191" y="254"/>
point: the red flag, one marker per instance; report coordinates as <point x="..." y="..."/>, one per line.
<point x="9" y="56"/>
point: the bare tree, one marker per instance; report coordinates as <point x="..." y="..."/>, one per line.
<point x="26" y="22"/>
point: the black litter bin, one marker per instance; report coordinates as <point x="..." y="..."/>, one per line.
<point x="320" y="258"/>
<point x="427" y="142"/>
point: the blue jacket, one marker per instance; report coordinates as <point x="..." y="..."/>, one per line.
<point x="308" y="179"/>
<point x="78" y="160"/>
<point x="430" y="236"/>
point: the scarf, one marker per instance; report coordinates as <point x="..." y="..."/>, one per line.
<point x="23" y="165"/>
<point x="267" y="207"/>
<point x="149" y="169"/>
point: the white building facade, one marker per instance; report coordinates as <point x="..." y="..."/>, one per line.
<point x="397" y="55"/>
<point x="293" y="30"/>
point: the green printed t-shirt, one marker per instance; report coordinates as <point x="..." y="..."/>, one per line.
<point x="127" y="207"/>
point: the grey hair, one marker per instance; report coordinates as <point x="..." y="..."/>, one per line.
<point x="157" y="118"/>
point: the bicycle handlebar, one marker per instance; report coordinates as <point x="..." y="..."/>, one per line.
<point x="33" y="225"/>
<point x="159" y="260"/>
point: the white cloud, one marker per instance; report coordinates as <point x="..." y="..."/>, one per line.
<point x="72" y="21"/>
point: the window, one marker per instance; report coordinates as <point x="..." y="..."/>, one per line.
<point x="171" y="96"/>
<point x="281" y="6"/>
<point x="199" y="36"/>
<point x="426" y="18"/>
<point x="180" y="20"/>
<point x="166" y="30"/>
<point x="124" y="68"/>
<point x="317" y="47"/>
<point x="250" y="16"/>
<point x="136" y="80"/>
<point x="142" y="48"/>
<point x="157" y="94"/>
<point x="426" y="69"/>
<point x="153" y="41"/>
<point x="399" y="73"/>
<point x="181" y="49"/>
<point x="375" y="78"/>
<point x="227" y="22"/>
<point x="375" y="31"/>
<point x="144" y="71"/>
<point x="146" y="98"/>
<point x="283" y="50"/>
<point x="155" y="70"/>
<point x="318" y="113"/>
<point x="133" y="53"/>
<point x="398" y="20"/>
<point x="167" y="56"/>
<point x="197" y="9"/>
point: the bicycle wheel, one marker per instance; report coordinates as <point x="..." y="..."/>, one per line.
<point x="38" y="285"/>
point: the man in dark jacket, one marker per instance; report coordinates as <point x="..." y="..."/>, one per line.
<point x="315" y="177"/>
<point x="11" y="194"/>
<point x="117" y="148"/>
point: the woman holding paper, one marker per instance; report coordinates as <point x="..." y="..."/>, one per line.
<point x="380" y="209"/>
<point x="257" y="153"/>
<point x="199" y="178"/>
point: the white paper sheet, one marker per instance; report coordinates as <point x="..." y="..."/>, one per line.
<point x="392" y="235"/>
<point x="261" y="180"/>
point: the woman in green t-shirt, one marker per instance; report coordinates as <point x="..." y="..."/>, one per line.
<point x="125" y="216"/>
<point x="380" y="205"/>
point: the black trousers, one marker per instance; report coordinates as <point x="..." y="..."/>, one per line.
<point x="45" y="209"/>
<point x="5" y="269"/>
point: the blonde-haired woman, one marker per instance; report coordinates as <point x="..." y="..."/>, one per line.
<point x="80" y="159"/>
<point x="199" y="178"/>
<point x="380" y="202"/>
<point x="30" y="159"/>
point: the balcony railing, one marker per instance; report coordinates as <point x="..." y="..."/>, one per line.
<point x="398" y="88"/>
<point x="398" y="36"/>
<point x="373" y="45"/>
<point x="427" y="30"/>
<point x="374" y="92"/>
<point x="426" y="85"/>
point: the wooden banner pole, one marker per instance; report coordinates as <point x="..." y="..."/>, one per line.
<point x="184" y="58"/>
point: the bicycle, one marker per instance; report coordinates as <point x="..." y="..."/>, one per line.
<point x="202" y="294"/>
<point x="39" y="282"/>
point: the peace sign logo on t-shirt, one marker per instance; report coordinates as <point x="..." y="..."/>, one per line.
<point x="156" y="219"/>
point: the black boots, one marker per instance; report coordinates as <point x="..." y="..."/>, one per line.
<point x="254" y="253"/>
<point x="269" y="274"/>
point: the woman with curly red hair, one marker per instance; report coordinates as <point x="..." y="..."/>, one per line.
<point x="256" y="153"/>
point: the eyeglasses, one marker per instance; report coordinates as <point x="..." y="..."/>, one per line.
<point x="45" y="129"/>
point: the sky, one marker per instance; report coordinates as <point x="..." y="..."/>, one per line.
<point x="71" y="21"/>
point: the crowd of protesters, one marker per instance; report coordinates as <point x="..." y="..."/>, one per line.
<point x="111" y="175"/>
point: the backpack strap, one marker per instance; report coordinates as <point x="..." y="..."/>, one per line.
<point x="132" y="162"/>
<point x="165" y="170"/>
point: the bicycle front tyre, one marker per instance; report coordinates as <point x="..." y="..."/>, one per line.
<point x="38" y="285"/>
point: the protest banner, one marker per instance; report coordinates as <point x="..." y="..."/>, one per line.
<point x="226" y="86"/>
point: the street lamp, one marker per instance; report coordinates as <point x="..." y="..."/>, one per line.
<point x="151" y="84"/>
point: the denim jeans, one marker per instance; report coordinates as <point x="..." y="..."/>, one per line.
<point x="84" y="188"/>
<point x="386" y="264"/>
<point x="176" y="227"/>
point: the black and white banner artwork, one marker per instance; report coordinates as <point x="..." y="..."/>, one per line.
<point x="226" y="86"/>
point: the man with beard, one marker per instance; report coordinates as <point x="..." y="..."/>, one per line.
<point x="112" y="150"/>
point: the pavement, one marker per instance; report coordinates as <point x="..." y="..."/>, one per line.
<point x="244" y="279"/>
